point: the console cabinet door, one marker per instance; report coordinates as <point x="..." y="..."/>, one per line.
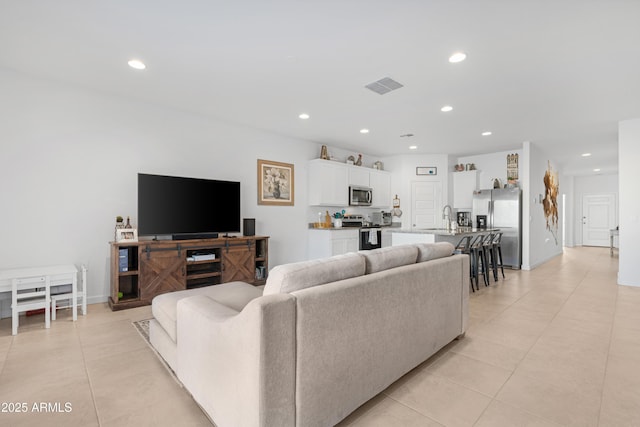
<point x="238" y="263"/>
<point x="161" y="272"/>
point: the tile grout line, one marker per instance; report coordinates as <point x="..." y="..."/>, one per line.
<point x="86" y="369"/>
<point x="525" y="355"/>
<point x="606" y="363"/>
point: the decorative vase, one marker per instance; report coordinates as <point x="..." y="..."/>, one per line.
<point x="276" y="191"/>
<point x="324" y="154"/>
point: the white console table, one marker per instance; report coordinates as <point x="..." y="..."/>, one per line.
<point x="58" y="275"/>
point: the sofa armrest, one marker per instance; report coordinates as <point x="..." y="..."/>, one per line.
<point x="239" y="366"/>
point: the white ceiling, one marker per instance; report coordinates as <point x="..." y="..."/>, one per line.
<point x="560" y="74"/>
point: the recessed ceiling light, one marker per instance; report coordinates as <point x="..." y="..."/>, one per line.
<point x="586" y="154"/>
<point x="596" y="170"/>
<point x="304" y="116"/>
<point x="446" y="108"/>
<point x="487" y="133"/>
<point x="413" y="147"/>
<point x="458" y="57"/>
<point x="137" y="64"/>
<point x="364" y="130"/>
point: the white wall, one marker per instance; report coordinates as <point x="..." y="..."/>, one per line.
<point x="628" y="155"/>
<point x="569" y="209"/>
<point x="591" y="185"/>
<point x="403" y="173"/>
<point x="540" y="244"/>
<point x="69" y="161"/>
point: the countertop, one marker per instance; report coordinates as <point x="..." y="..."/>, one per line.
<point x="383" y="227"/>
<point x="461" y="231"/>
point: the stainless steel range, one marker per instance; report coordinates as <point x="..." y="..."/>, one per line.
<point x="370" y="236"/>
<point x="353" y="221"/>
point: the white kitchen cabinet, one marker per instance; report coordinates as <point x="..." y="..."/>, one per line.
<point x="328" y="183"/>
<point x="380" y="182"/>
<point x="386" y="238"/>
<point x="464" y="184"/>
<point x="325" y="243"/>
<point x="359" y="176"/>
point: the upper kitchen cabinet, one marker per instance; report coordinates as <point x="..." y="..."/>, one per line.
<point x="464" y="184"/>
<point x="328" y="183"/>
<point x="359" y="176"/>
<point x="380" y="182"/>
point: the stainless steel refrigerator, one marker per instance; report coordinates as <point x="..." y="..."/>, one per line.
<point x="502" y="209"/>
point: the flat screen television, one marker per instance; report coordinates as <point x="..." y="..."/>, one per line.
<point x="187" y="207"/>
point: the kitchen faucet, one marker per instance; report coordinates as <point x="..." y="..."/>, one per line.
<point x="447" y="217"/>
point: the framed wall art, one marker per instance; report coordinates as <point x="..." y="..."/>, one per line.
<point x="426" y="170"/>
<point x="275" y="183"/>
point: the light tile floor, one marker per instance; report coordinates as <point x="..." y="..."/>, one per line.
<point x="555" y="346"/>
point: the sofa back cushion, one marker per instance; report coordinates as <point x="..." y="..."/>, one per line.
<point x="429" y="251"/>
<point x="391" y="257"/>
<point x="300" y="275"/>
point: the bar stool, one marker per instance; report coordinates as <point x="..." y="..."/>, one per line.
<point x="488" y="258"/>
<point x="484" y="257"/>
<point x="477" y="260"/>
<point x="497" y="251"/>
<point x="464" y="247"/>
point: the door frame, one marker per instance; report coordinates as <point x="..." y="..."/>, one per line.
<point x="438" y="200"/>
<point x="613" y="214"/>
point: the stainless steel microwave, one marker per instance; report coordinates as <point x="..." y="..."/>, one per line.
<point x="360" y="196"/>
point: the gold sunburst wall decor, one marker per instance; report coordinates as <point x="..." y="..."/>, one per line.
<point x="550" y="201"/>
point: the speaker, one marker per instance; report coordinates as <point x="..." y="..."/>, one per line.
<point x="249" y="227"/>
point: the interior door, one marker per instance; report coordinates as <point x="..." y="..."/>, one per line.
<point x="598" y="217"/>
<point x="425" y="203"/>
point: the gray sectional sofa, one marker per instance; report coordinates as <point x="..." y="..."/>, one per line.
<point x="322" y="338"/>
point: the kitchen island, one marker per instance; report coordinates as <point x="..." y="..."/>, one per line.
<point x="431" y="235"/>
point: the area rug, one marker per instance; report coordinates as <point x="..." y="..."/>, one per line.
<point x="142" y="326"/>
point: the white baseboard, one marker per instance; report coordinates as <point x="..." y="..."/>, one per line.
<point x="539" y="263"/>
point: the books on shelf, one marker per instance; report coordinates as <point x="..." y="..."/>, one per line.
<point x="123" y="260"/>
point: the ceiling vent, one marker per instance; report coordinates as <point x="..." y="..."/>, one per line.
<point x="384" y="85"/>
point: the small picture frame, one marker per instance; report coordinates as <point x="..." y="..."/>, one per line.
<point x="426" y="170"/>
<point x="126" y="235"/>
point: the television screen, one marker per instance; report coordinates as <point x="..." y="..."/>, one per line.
<point x="177" y="205"/>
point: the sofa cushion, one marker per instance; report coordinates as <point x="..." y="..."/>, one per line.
<point x="429" y="251"/>
<point x="391" y="257"/>
<point x="300" y="275"/>
<point x="234" y="295"/>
